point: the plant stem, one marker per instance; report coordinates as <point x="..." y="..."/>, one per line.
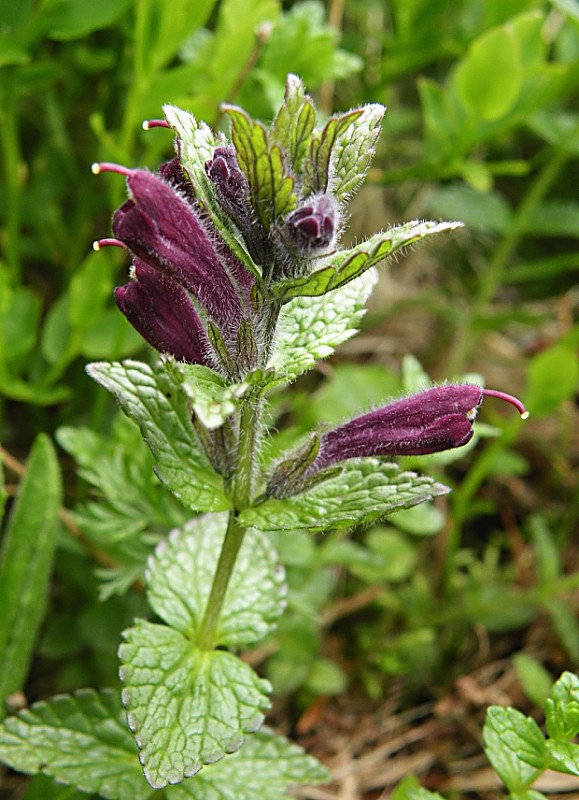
<point x="243" y="489"/>
<point x="227" y="558"/>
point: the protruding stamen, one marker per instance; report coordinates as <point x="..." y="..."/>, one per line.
<point x="514" y="401"/>
<point x="155" y="123"/>
<point x="107" y="243"/>
<point x="107" y="166"/>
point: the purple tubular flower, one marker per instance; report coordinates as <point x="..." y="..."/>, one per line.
<point x="162" y="312"/>
<point x="437" y="419"/>
<point x="310" y="230"/>
<point x="162" y="229"/>
<point x="231" y="184"/>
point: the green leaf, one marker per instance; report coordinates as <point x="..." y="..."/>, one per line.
<point x="310" y="328"/>
<point x="186" y="707"/>
<point x="553" y="378"/>
<point x="488" y="212"/>
<point x="294" y="123"/>
<point x="212" y="399"/>
<point x="80" y="740"/>
<point x="26" y="564"/>
<point x="489" y="77"/>
<point x="181" y="573"/>
<point x="520" y="739"/>
<point x="320" y="172"/>
<point x="73" y="19"/>
<point x="354" y="151"/>
<point x="342" y="267"/>
<point x="410" y="789"/>
<point x="270" y="185"/>
<point x="562" y="708"/>
<point x="366" y="490"/>
<point x="535" y="680"/>
<point x="563" y="757"/>
<point x="159" y="406"/>
<point x="514" y="773"/>
<point x="263" y="768"/>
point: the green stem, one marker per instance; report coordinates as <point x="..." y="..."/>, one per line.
<point x="242" y="493"/>
<point x="227" y="558"/>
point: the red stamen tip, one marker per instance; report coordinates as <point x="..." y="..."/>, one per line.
<point x="514" y="401"/>
<point x="107" y="166"/>
<point x="100" y="243"/>
<point x="155" y="123"/>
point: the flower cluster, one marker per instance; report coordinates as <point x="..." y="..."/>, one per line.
<point x="216" y="254"/>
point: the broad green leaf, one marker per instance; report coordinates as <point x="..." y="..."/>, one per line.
<point x="212" y="399"/>
<point x="160" y="407"/>
<point x="310" y="328"/>
<point x="181" y="573"/>
<point x="553" y="378"/>
<point x="563" y="757"/>
<point x="518" y="733"/>
<point x="264" y="768"/>
<point x="294" y="123"/>
<point x="354" y="151"/>
<point x="516" y="774"/>
<point x="562" y="708"/>
<point x="489" y="77"/>
<point x="366" y="490"/>
<point x="271" y="186"/>
<point x="342" y="267"/>
<point x="80" y="740"/>
<point x="186" y="707"/>
<point x="26" y="564"/>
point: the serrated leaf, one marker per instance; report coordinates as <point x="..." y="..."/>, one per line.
<point x="562" y="708"/>
<point x="80" y="740"/>
<point x="271" y="187"/>
<point x="181" y="573"/>
<point x="354" y="150"/>
<point x="263" y="768"/>
<point x="345" y="265"/>
<point x="518" y="733"/>
<point x="294" y="123"/>
<point x="213" y="400"/>
<point x="26" y="564"/>
<point x="311" y="328"/>
<point x="366" y="490"/>
<point x="186" y="707"/>
<point x="321" y="151"/>
<point x="157" y="403"/>
<point x="563" y="757"/>
<point x="196" y="145"/>
<point x="514" y="773"/>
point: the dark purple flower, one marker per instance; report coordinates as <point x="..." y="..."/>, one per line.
<point x="164" y="230"/>
<point x="231" y="184"/>
<point x="310" y="230"/>
<point x="437" y="419"/>
<point x="162" y="312"/>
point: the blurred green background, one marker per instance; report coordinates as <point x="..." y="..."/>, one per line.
<point x="482" y="126"/>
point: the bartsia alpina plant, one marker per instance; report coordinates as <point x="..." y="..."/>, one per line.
<point x="239" y="281"/>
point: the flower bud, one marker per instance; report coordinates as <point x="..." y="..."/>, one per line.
<point x="310" y="230"/>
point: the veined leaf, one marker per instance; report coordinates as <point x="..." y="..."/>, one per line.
<point x="354" y="150"/>
<point x="271" y="186"/>
<point x="310" y="328"/>
<point x="562" y="708"/>
<point x="344" y="266"/>
<point x="186" y="707"/>
<point x="321" y="150"/>
<point x="80" y="740"/>
<point x="181" y="573"/>
<point x="212" y="399"/>
<point x="263" y="768"/>
<point x="366" y="490"/>
<point x="159" y="406"/>
<point x="26" y="564"/>
<point x="515" y="746"/>
<point x="294" y="123"/>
